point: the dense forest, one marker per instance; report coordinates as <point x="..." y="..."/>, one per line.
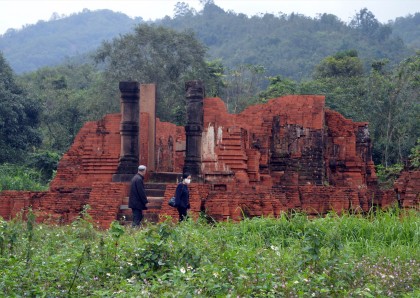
<point x="289" y="45"/>
<point x="56" y="75"/>
<point x="50" y="43"/>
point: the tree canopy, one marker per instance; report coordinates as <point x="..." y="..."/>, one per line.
<point x="159" y="55"/>
<point x="19" y="117"/>
<point x="69" y="97"/>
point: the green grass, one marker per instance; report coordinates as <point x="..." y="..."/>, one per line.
<point x="292" y="256"/>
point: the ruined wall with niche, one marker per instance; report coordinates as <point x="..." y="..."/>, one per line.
<point x="85" y="172"/>
<point x="170" y="147"/>
<point x="348" y="156"/>
<point x="293" y="140"/>
<point x="290" y="153"/>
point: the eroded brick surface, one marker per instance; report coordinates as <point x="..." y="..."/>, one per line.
<point x="170" y="147"/>
<point x="407" y="189"/>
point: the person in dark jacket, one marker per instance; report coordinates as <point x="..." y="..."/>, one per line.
<point x="137" y="200"/>
<point x="182" y="196"/>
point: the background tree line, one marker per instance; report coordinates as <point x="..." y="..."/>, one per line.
<point x="42" y="111"/>
<point x="289" y="45"/>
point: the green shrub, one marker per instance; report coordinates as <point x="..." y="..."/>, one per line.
<point x="415" y="155"/>
<point x="388" y="175"/>
<point x="45" y="162"/>
<point x="17" y="177"/>
<point x="289" y="256"/>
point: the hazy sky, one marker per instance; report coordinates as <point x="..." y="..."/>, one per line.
<point x="17" y="13"/>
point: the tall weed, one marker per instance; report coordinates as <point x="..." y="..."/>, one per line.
<point x="289" y="256"/>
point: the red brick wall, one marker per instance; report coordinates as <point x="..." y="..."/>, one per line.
<point x="313" y="200"/>
<point x="105" y="201"/>
<point x="94" y="155"/>
<point x="407" y="188"/>
<point x="346" y="164"/>
<point x="12" y="203"/>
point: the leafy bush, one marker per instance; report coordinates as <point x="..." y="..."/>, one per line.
<point x="388" y="175"/>
<point x="290" y="256"/>
<point x="17" y="177"/>
<point x="415" y="155"/>
<point x="44" y="162"/>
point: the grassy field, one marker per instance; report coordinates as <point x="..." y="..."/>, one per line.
<point x="376" y="255"/>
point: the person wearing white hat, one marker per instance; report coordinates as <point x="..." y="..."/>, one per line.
<point x="137" y="200"/>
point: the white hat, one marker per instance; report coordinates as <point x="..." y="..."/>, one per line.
<point x="142" y="168"/>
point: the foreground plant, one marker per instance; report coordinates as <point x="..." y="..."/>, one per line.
<point x="290" y="256"/>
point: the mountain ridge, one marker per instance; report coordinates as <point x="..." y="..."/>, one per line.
<point x="289" y="45"/>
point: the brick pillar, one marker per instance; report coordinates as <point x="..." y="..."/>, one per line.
<point x="148" y="105"/>
<point x="129" y="131"/>
<point x="194" y="128"/>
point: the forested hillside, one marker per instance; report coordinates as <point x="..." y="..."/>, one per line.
<point x="290" y="45"/>
<point x="50" y="43"/>
<point x="408" y="29"/>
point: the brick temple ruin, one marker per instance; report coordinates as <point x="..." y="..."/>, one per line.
<point x="291" y="153"/>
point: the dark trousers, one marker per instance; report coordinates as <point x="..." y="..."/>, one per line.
<point x="137" y="217"/>
<point x="182" y="213"/>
